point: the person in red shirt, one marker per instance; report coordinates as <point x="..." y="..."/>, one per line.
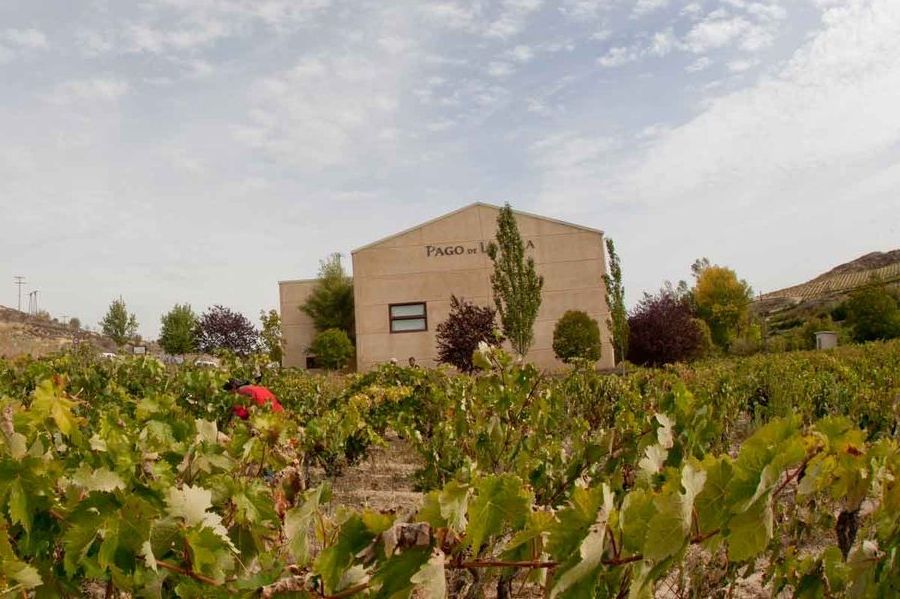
<point x="257" y="394"/>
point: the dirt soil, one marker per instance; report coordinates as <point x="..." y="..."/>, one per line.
<point x="384" y="482"/>
<point x="22" y="334"/>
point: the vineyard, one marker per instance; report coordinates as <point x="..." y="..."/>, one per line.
<point x="129" y="478"/>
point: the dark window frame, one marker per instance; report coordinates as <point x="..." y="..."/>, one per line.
<point x="392" y="318"/>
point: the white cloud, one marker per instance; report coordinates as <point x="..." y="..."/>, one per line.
<point x="701" y="64"/>
<point x="95" y="90"/>
<point x="584" y="10"/>
<point x="15" y="43"/>
<point x="617" y="56"/>
<point x="715" y="32"/>
<point x="741" y="65"/>
<point x="663" y="43"/>
<point x="25" y="38"/>
<point x="512" y="18"/>
<point x="521" y="53"/>
<point x="323" y="112"/>
<point x="500" y="69"/>
<point x="643" y="7"/>
<point x="790" y="139"/>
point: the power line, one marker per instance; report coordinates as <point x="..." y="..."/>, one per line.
<point x="20" y="280"/>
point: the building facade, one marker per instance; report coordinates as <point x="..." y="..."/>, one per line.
<point x="403" y="284"/>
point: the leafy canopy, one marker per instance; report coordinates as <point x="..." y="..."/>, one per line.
<point x="515" y="283"/>
<point x="221" y="328"/>
<point x="721" y="299"/>
<point x="118" y="324"/>
<point x="466" y="326"/>
<point x="872" y="313"/>
<point x="330" y="305"/>
<point x="178" y="334"/>
<point x="270" y="335"/>
<point x="663" y="329"/>
<point x="576" y="336"/>
<point x="332" y="349"/>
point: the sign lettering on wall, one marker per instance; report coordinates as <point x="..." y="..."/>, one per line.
<point x="432" y="251"/>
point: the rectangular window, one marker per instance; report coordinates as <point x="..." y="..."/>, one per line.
<point x="408" y="318"/>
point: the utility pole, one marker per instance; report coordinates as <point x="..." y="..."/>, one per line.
<point x="20" y="280"/>
<point x="33" y="302"/>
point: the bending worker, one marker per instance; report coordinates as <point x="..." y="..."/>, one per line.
<point x="258" y="394"/>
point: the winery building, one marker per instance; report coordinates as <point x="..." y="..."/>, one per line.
<point x="403" y="283"/>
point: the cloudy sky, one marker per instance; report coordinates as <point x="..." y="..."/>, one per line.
<point x="201" y="150"/>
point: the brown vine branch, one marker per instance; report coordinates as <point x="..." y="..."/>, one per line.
<point x="483" y="563"/>
<point x="189" y="573"/>
<point x="790" y="477"/>
<point x="349" y="592"/>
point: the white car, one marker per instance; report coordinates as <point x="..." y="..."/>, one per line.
<point x="206" y="363"/>
<point x="108" y="355"/>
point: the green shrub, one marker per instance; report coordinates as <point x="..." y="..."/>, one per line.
<point x="872" y="313"/>
<point x="332" y="349"/>
<point x="576" y="336"/>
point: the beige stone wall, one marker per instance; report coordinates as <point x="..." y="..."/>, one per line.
<point x="296" y="326"/>
<point x="445" y="257"/>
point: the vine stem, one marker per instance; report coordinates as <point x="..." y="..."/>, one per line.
<point x="790" y="477"/>
<point x="484" y="563"/>
<point x="348" y="592"/>
<point x="188" y="573"/>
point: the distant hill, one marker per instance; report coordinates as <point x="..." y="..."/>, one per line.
<point x="21" y="333"/>
<point x="831" y="287"/>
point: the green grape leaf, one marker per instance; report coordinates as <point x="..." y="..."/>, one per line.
<point x="210" y="555"/>
<point x="501" y="501"/>
<point x="749" y="532"/>
<point x="654" y="458"/>
<point x="12" y="568"/>
<point x="762" y="458"/>
<point x="353" y="536"/>
<point x="430" y="510"/>
<point x="536" y="528"/>
<point x="666" y="531"/>
<point x="19" y="512"/>
<point x="430" y="580"/>
<point x="207" y="431"/>
<point x="710" y="503"/>
<point x="634" y="519"/>
<point x="49" y="402"/>
<point x="590" y="551"/>
<point x="78" y="538"/>
<point x="454" y="501"/>
<point x="392" y="579"/>
<point x="192" y="504"/>
<point x="297" y="522"/>
<point x="147" y="554"/>
<point x="692" y="479"/>
<point x="102" y="479"/>
<point x="573" y="522"/>
<point x="110" y="533"/>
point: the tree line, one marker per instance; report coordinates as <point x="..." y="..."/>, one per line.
<point x="217" y="329"/>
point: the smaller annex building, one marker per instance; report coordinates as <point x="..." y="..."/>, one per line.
<point x="403" y="283"/>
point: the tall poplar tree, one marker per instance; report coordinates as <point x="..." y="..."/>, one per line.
<point x="615" y="300"/>
<point x="515" y="283"/>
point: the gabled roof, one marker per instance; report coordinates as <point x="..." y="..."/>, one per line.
<point x="467" y="207"/>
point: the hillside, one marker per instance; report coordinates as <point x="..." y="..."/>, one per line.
<point x="829" y="288"/>
<point x="22" y="334"/>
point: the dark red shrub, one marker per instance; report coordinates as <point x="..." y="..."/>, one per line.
<point x="458" y="336"/>
<point x="663" y="330"/>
